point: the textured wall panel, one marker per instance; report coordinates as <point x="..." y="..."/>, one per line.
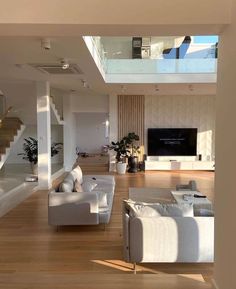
<point x="183" y="112"/>
<point x="131" y="116"/>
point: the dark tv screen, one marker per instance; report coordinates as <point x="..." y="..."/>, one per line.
<point x="172" y="141"/>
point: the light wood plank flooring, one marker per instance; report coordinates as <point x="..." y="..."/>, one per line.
<point x="35" y="255"/>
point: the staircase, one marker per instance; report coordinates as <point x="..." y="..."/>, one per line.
<point x="55" y="112"/>
<point x="11" y="129"/>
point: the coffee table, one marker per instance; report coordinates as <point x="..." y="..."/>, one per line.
<point x="199" y="203"/>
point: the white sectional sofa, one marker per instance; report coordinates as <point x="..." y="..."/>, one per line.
<point x="167" y="238"/>
<point x="89" y="207"/>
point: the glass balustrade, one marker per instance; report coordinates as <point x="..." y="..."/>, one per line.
<point x="156" y="55"/>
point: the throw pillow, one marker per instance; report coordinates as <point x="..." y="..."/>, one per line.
<point x="66" y="186"/>
<point x="78" y="187"/>
<point x="69" y="178"/>
<point x="88" y="186"/>
<point x="77" y="174"/>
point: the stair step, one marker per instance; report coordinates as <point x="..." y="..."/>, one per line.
<point x="10" y="119"/>
<point x="2" y="150"/>
<point x="4" y="142"/>
<point x="7" y="136"/>
<point x="6" y="130"/>
<point x="9" y="122"/>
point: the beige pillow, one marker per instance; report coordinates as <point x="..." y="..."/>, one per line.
<point x="78" y="187"/>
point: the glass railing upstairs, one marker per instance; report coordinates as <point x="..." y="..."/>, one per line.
<point x="118" y="63"/>
<point x="154" y="66"/>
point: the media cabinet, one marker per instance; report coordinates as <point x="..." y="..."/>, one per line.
<point x="179" y="165"/>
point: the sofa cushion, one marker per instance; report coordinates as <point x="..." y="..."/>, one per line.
<point x="100" y="179"/>
<point x="88" y="186"/>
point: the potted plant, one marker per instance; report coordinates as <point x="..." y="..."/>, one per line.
<point x="120" y="147"/>
<point x="30" y="148"/>
<point x="133" y="150"/>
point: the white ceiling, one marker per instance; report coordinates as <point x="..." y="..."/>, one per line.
<point x="17" y="52"/>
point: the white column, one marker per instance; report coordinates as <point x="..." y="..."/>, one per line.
<point x="225" y="199"/>
<point x="113" y="122"/>
<point x="44" y="135"/>
<point x="69" y="133"/>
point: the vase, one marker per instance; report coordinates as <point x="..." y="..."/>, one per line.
<point x="121" y="168"/>
<point x="34" y="169"/>
<point x="133" y="164"/>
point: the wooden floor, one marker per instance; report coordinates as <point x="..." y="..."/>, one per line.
<point x="35" y="255"/>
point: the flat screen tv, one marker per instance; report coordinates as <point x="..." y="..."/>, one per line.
<point x="172" y="141"/>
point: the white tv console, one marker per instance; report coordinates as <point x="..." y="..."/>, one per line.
<point x="179" y="165"/>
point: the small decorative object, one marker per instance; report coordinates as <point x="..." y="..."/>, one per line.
<point x="30" y="148"/>
<point x="105" y="149"/>
<point x="31" y="179"/>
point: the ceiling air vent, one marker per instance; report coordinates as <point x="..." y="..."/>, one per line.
<point x="57" y="69"/>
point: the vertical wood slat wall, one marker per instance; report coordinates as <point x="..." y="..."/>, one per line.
<point x="131" y="117"/>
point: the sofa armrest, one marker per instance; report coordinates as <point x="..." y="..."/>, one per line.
<point x="171" y="239"/>
<point x="73" y="208"/>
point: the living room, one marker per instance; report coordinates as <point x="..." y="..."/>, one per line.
<point x="224" y="104"/>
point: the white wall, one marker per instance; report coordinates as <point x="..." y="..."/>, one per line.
<point x="22" y="96"/>
<point x="72" y="105"/>
<point x="89" y="103"/>
<point x="184" y="111"/>
<point x="225" y="198"/>
<point x="90" y="134"/>
<point x="31" y="131"/>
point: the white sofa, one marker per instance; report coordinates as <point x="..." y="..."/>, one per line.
<point x="167" y="239"/>
<point x="82" y="208"/>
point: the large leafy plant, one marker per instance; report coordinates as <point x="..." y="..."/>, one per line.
<point x="30" y="148"/>
<point x="120" y="147"/>
<point x="131" y="145"/>
<point x="126" y="147"/>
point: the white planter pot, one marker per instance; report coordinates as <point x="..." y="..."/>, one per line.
<point x="121" y="168"/>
